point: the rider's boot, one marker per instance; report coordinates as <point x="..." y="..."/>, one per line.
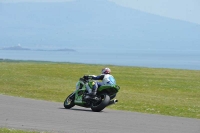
<point x="91" y="95"/>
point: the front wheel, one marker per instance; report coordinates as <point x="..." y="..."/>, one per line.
<point x="101" y="104"/>
<point x="69" y="101"/>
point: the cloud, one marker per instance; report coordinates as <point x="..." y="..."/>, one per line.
<point x="17" y="1"/>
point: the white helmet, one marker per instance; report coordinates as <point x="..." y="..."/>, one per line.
<point x="106" y="71"/>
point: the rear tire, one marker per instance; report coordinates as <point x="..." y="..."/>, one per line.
<point x="100" y="105"/>
<point x="69" y="101"/>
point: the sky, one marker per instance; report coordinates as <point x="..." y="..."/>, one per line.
<point x="187" y="10"/>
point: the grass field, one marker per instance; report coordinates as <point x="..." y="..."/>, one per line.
<point x="5" y="130"/>
<point x="157" y="91"/>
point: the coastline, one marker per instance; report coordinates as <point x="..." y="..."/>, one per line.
<point x="58" y="62"/>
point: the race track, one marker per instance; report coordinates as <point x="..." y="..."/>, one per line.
<point x="29" y="114"/>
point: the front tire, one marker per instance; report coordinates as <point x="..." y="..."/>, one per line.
<point x="69" y="101"/>
<point x="101" y="104"/>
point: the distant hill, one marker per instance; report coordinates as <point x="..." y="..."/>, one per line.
<point x="21" y="48"/>
<point x="65" y="49"/>
<point x="92" y="24"/>
<point x="14" y="48"/>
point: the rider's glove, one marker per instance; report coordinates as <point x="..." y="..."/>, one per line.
<point x="86" y="77"/>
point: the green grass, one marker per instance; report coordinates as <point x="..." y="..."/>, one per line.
<point x="157" y="91"/>
<point x="6" y="130"/>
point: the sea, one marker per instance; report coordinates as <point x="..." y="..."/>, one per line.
<point x="173" y="59"/>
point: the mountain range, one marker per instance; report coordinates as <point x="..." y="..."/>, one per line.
<point x="92" y="24"/>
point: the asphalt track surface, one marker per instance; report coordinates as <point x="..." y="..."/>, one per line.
<point x="38" y="115"/>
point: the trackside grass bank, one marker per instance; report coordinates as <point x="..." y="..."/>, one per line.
<point x="157" y="91"/>
<point x="5" y="130"/>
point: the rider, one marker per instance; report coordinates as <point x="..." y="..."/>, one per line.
<point x="106" y="77"/>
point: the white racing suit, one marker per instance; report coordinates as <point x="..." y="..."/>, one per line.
<point x="107" y="79"/>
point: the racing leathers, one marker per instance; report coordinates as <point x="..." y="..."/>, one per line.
<point x="107" y="79"/>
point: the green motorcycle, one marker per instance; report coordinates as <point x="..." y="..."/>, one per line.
<point x="104" y="97"/>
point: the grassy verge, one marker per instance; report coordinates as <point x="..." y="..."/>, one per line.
<point x="158" y="91"/>
<point x="6" y="130"/>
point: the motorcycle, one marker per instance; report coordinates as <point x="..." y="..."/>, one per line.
<point x="104" y="97"/>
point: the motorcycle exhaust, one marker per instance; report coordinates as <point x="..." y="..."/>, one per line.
<point x="113" y="102"/>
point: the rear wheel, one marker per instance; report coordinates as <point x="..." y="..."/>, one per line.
<point x="69" y="101"/>
<point x="101" y="104"/>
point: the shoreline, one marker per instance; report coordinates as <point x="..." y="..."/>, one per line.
<point x="62" y="62"/>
